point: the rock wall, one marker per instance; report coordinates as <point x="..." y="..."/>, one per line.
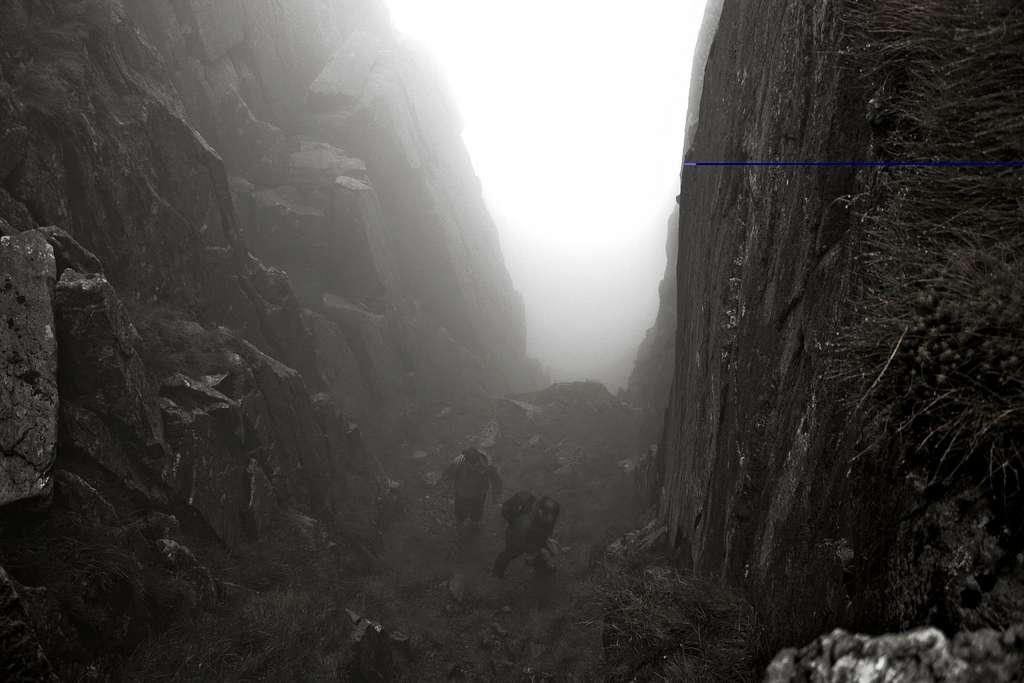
<point x="226" y="230"/>
<point x="651" y="378"/>
<point x="752" y="448"/>
<point x="349" y="173"/>
<point x="770" y="479"/>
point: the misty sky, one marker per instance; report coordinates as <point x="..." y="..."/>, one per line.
<point x="574" y="114"/>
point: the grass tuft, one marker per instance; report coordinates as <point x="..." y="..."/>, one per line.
<point x="665" y="625"/>
<point x="937" y="346"/>
<point x="279" y="636"/>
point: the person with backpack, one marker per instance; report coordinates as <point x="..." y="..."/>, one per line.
<point x="472" y="475"/>
<point x="530" y="525"/>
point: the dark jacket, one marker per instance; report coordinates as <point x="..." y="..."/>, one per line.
<point x="525" y="527"/>
<point x="473" y="480"/>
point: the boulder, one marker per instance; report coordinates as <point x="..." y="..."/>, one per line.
<point x="921" y="656"/>
<point x="28" y="367"/>
<point x="205" y="431"/>
<point x="69" y="253"/>
<point x="101" y="373"/>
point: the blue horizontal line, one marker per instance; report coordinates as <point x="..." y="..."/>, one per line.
<point x="859" y="164"/>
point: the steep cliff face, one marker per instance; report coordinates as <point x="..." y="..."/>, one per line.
<point x="651" y="378"/>
<point x="350" y="174"/>
<point x="752" y="438"/>
<point x="776" y="477"/>
<point x="209" y="268"/>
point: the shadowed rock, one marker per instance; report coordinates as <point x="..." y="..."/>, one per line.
<point x="102" y="374"/>
<point x="28" y="367"/>
<point x="23" y="658"/>
<point x="69" y="253"/>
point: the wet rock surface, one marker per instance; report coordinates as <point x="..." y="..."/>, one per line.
<point x="772" y="475"/>
<point x="28" y="367"/>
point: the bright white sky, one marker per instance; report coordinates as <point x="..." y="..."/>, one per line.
<point x="574" y="114"/>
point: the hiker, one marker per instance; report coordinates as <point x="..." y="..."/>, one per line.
<point x="472" y="474"/>
<point x="530" y="524"/>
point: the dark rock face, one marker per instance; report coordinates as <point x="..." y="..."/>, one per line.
<point x="752" y="443"/>
<point x="104" y="389"/>
<point x="28" y="367"/>
<point x="227" y="280"/>
<point x="108" y="156"/>
<point x="921" y="656"/>
<point x="23" y="658"/>
<point x="763" y="484"/>
<point x="651" y="379"/>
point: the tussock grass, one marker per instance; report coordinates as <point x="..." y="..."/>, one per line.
<point x="937" y="347"/>
<point x="286" y="622"/>
<point x="665" y="625"/>
<point x="284" y="635"/>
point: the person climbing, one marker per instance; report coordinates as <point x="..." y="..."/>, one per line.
<point x="472" y="474"/>
<point x="530" y="525"/>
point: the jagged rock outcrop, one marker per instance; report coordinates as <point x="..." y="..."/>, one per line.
<point x="772" y="477"/>
<point x="103" y="379"/>
<point x="28" y="367"/>
<point x="921" y="656"/>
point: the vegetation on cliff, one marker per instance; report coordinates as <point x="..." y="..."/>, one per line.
<point x="940" y="346"/>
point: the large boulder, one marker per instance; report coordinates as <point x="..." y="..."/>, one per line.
<point x="101" y="372"/>
<point x="921" y="656"/>
<point x="110" y="426"/>
<point x="69" y="253"/>
<point x="28" y="367"/>
<point x="205" y="431"/>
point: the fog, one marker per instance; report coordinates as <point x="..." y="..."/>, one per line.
<point x="574" y="116"/>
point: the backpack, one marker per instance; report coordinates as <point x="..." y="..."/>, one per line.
<point x="518" y="505"/>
